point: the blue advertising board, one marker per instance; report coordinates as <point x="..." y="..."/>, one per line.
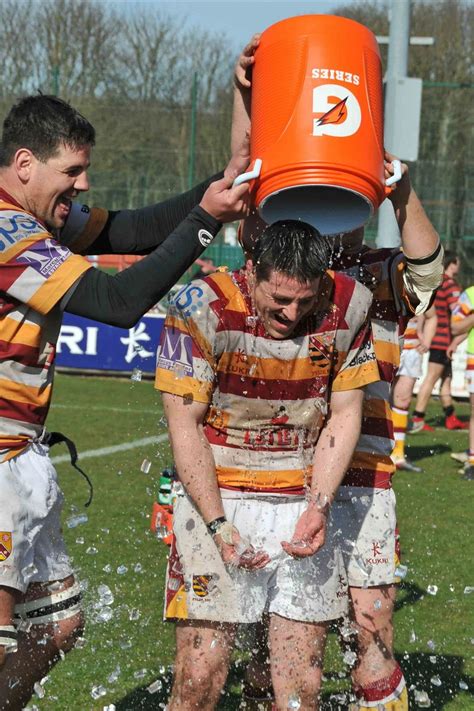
<point x="89" y="345"/>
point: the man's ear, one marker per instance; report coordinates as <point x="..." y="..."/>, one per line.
<point x="24" y="161"/>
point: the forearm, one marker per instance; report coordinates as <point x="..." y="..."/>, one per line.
<point x="142" y="230"/>
<point x="334" y="451"/>
<point x="240" y="118"/>
<point x="194" y="464"/>
<point x="419" y="237"/>
<point x="122" y="299"/>
<point x="463" y="326"/>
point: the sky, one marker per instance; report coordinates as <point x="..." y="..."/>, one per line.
<point x="238" y="20"/>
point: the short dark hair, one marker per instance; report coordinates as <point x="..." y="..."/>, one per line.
<point x="42" y="124"/>
<point x="450" y="257"/>
<point x="294" y="248"/>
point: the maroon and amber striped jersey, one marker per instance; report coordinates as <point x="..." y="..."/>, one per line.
<point x="35" y="273"/>
<point x="381" y="271"/>
<point x="267" y="397"/>
<point x="445" y="300"/>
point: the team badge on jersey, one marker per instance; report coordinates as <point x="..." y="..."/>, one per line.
<point x="203" y="585"/>
<point x="6" y="545"/>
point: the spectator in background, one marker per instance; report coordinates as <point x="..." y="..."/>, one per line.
<point x="439" y="365"/>
<point x="462" y="327"/>
<point x="416" y="342"/>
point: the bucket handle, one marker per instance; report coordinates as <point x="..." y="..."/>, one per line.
<point x="397" y="173"/>
<point x="250" y="175"/>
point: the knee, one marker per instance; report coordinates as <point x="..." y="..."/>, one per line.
<point x="195" y="687"/>
<point x="67" y="632"/>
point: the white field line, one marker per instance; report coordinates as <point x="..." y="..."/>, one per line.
<point x="103" y="451"/>
<point x="99" y="408"/>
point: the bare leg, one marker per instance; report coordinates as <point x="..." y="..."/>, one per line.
<point x="38" y="650"/>
<point x="203" y="652"/>
<point x="296" y="657"/>
<point x="445" y="392"/>
<point x="372" y="611"/>
<point x="434" y="373"/>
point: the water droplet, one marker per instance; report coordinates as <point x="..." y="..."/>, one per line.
<point x="146" y="466"/>
<point x="401" y="571"/>
<point x="468" y="590"/>
<point x="422" y="699"/>
<point x="134" y="614"/>
<point x="98" y="691"/>
<point x="29" y="570"/>
<point x="122" y="569"/>
<point x="432" y="589"/>
<point x="105" y="595"/>
<point x="92" y="550"/>
<point x="463" y="685"/>
<point x="39" y="691"/>
<point x="154" y="687"/>
<point x="78" y="520"/>
<point x="294" y="702"/>
<point x="136" y="375"/>
<point x="377" y="604"/>
<point x="436" y="681"/>
<point x="138" y="568"/>
<point x="431" y="644"/>
<point x="80" y="540"/>
<point x="113" y="676"/>
<point x="140" y="673"/>
<point x="349" y="658"/>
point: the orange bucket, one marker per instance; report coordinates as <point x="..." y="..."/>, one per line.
<point x="317" y="123"/>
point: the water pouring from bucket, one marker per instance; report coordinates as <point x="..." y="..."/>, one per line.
<point x="317" y="124"/>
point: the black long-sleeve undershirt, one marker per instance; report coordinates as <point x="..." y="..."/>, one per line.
<point x="141" y="230"/>
<point x="121" y="299"/>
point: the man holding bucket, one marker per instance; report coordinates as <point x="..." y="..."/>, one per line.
<point x="402" y="283"/>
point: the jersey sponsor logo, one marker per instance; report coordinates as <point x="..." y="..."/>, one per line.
<point x="203" y="585"/>
<point x="16" y="226"/>
<point x="205" y="237"/>
<point x="364" y="357"/>
<point x="86" y="209"/>
<point x="45" y="258"/>
<point x="338" y="111"/>
<point x="176" y="352"/>
<point x="6" y="545"/>
<point x="188" y="300"/>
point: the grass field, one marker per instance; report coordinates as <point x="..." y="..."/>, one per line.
<point x="122" y="656"/>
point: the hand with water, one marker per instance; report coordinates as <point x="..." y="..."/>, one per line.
<point x="310" y="533"/>
<point x="237" y="551"/>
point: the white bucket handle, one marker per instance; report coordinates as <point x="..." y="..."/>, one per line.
<point x="397" y="173"/>
<point x="250" y="175"/>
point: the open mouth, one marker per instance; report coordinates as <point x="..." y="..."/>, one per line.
<point x="63" y="206"/>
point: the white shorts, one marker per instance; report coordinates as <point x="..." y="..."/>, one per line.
<point x="411" y="363"/>
<point x="366" y="522"/>
<point x="31" y="544"/>
<point x="201" y="587"/>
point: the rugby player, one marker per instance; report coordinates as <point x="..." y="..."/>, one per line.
<point x="44" y="156"/>
<point x="462" y="326"/>
<point x="402" y="283"/>
<point x="416" y="341"/>
<point x="439" y="364"/>
<point x="262" y="373"/>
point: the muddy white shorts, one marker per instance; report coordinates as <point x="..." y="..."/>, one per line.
<point x="31" y="544"/>
<point x="470" y="380"/>
<point x="200" y="587"/>
<point x="365" y="519"/>
<point x="411" y="363"/>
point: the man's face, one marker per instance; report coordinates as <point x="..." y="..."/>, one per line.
<point x="52" y="185"/>
<point x="281" y="302"/>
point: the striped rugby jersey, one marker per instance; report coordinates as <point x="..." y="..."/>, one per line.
<point x="410" y="337"/>
<point x="381" y="271"/>
<point x="463" y="308"/>
<point x="445" y="301"/>
<point x="267" y="397"/>
<point x="35" y="273"/>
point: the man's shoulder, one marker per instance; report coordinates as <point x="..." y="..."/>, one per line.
<point x="346" y="288"/>
<point x="17" y="224"/>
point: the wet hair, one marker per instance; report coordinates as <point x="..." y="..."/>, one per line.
<point x="42" y="124"/>
<point x="450" y="257"/>
<point x="294" y="248"/>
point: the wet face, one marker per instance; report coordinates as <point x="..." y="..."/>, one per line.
<point x="53" y="184"/>
<point x="282" y="302"/>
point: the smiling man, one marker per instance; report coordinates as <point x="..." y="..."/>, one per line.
<point x="44" y="156"/>
<point x="262" y="373"/>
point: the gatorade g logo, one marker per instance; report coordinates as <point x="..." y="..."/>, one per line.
<point x="337" y="110"/>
